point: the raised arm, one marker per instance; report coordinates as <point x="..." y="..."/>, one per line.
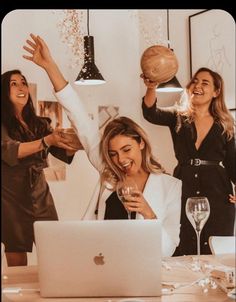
<point x="150" y="96"/>
<point x="156" y="115"/>
<point x="42" y="57"/>
<point x="75" y="110"/>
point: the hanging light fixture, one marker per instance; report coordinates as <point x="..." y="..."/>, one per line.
<point x="89" y="74"/>
<point x="173" y="84"/>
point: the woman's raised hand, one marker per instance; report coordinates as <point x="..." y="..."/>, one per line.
<point x="39" y="51"/>
<point x="41" y="56"/>
<point x="149" y="84"/>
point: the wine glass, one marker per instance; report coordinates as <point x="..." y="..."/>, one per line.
<point x="197" y="210"/>
<point x="125" y="189"/>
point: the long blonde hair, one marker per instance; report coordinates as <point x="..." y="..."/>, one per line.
<point x="127" y="127"/>
<point x="217" y="108"/>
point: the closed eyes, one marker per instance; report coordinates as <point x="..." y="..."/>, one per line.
<point x="112" y="154"/>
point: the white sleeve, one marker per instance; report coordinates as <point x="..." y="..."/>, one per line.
<point x="86" y="130"/>
<point x="171" y="222"/>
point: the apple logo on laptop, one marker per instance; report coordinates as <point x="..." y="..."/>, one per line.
<point x="99" y="260"/>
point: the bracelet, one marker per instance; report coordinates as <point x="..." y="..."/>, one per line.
<point x="45" y="145"/>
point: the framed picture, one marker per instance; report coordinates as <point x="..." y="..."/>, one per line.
<point x="56" y="170"/>
<point x="106" y="114"/>
<point x="33" y="94"/>
<point x="52" y="110"/>
<point x="212" y="45"/>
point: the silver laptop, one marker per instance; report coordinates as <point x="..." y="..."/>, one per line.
<point x="106" y="258"/>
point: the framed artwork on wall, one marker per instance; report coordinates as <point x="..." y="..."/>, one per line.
<point x="52" y="110"/>
<point x="56" y="170"/>
<point x="33" y="94"/>
<point x="106" y="114"/>
<point x="212" y="45"/>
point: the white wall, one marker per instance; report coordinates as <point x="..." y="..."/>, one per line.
<point x="119" y="43"/>
<point x="117" y="56"/>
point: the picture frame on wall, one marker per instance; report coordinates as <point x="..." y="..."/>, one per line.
<point x="106" y="114"/>
<point x="33" y="94"/>
<point x="53" y="110"/>
<point x="56" y="170"/>
<point x="212" y="45"/>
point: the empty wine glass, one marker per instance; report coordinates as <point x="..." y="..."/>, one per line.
<point x="125" y="189"/>
<point x="197" y="210"/>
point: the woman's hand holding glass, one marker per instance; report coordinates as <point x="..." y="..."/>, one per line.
<point x="137" y="203"/>
<point x="124" y="190"/>
<point x="133" y="199"/>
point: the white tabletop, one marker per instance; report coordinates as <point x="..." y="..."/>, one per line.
<point x="179" y="284"/>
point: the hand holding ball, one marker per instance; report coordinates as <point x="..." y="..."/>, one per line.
<point x="159" y="64"/>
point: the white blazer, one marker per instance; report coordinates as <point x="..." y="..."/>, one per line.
<point x="162" y="192"/>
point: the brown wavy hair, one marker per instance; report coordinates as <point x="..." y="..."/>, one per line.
<point x="217" y="108"/>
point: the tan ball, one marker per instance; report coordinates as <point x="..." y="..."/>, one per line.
<point x="159" y="63"/>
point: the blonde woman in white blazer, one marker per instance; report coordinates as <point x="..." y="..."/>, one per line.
<point x="126" y="153"/>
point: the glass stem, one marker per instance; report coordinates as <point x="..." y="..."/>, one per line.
<point x="129" y="214"/>
<point x="198" y="242"/>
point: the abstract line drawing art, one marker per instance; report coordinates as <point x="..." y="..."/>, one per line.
<point x="212" y="45"/>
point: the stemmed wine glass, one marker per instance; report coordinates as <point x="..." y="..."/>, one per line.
<point x="197" y="210"/>
<point x="125" y="189"/>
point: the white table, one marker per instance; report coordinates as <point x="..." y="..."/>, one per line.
<point x="180" y="271"/>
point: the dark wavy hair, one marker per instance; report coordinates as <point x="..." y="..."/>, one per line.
<point x="9" y="119"/>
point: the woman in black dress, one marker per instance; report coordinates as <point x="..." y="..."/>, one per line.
<point x="204" y="144"/>
<point x="26" y="140"/>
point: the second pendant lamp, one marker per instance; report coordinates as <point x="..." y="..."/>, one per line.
<point x="173" y="84"/>
<point x="89" y="74"/>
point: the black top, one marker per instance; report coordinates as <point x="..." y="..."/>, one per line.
<point x="212" y="181"/>
<point x="115" y="208"/>
<point x="25" y="192"/>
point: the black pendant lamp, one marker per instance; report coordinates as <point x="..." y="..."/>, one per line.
<point x="89" y="74"/>
<point x="173" y="84"/>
